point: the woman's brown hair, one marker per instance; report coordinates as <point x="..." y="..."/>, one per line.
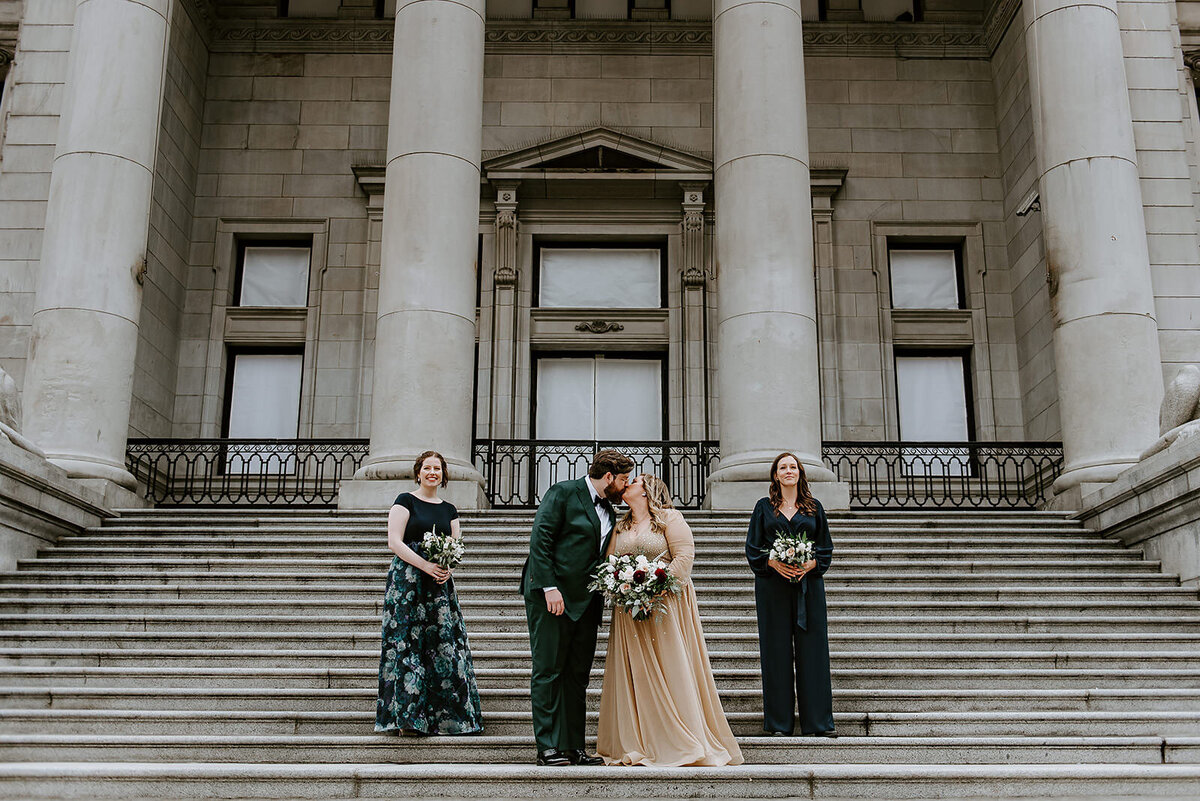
<point x="421" y="461"/>
<point x="805" y="502"/>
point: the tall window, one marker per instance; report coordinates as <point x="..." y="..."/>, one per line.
<point x="265" y="367"/>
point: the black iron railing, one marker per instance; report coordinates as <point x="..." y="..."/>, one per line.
<point x="307" y="472"/>
<point x="518" y="471"/>
<point x="946" y="474"/>
<point x="252" y="472"/>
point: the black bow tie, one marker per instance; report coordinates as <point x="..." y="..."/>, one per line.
<point x="604" y="504"/>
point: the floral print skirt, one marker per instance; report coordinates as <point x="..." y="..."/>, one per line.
<point x="426" y="679"/>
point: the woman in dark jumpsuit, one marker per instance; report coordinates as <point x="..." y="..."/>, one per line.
<point x="793" y="637"/>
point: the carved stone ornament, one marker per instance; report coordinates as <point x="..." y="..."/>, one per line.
<point x="10" y="415"/>
<point x="506" y="219"/>
<point x="932" y="40"/>
<point x="6" y="58"/>
<point x="1179" y="415"/>
<point x="599" y="327"/>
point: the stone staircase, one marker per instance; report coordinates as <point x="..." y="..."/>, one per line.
<point x="233" y="654"/>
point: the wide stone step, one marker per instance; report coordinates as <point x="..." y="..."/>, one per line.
<point x="839" y="782"/>
<point x="828" y="783"/>
<point x="1023" y="722"/>
<point x="494" y="749"/>
<point x="57" y="667"/>
<point x="354" y="541"/>
<point x="269" y="569"/>
<point x="233" y="649"/>
<point x="474" y="592"/>
<point x="1045" y="570"/>
<point x="516" y="699"/>
<point x="255" y="586"/>
<point x="358" y="626"/>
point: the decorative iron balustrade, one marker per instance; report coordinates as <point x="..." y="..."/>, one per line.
<point x="519" y="471"/>
<point x="946" y="474"/>
<point x="307" y="472"/>
<point x="251" y="472"/>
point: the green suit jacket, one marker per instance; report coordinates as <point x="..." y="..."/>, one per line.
<point x="564" y="547"/>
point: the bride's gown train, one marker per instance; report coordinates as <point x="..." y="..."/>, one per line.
<point x="659" y="703"/>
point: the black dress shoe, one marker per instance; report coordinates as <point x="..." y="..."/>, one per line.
<point x="831" y="734"/>
<point x="552" y="758"/>
<point x="580" y="757"/>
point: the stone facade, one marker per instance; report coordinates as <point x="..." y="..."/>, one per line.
<point x="274" y="129"/>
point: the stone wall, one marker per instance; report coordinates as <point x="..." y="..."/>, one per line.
<point x="1030" y="297"/>
<point x="1164" y="131"/>
<point x="156" y="368"/>
<point x="32" y="102"/>
<point x="918" y="138"/>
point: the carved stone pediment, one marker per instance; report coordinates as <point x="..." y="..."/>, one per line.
<point x="599" y="151"/>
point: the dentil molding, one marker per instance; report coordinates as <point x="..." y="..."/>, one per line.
<point x="904" y="40"/>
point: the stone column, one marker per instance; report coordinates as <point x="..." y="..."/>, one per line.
<point x="770" y="397"/>
<point x="425" y="337"/>
<point x="79" y="378"/>
<point x="1105" y="338"/>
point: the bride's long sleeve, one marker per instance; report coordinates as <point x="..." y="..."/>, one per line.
<point x="681" y="544"/>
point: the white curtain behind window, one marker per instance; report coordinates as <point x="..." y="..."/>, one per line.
<point x="275" y="276"/>
<point x="924" y="279"/>
<point x="612" y="399"/>
<point x="931" y="394"/>
<point x="629" y="399"/>
<point x="566" y="398"/>
<point x="265" y="404"/>
<point x="602" y="278"/>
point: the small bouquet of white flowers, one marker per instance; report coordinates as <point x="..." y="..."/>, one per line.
<point x="634" y="583"/>
<point x="791" y="549"/>
<point x="444" y="550"/>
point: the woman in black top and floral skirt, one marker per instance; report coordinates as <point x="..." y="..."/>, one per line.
<point x="793" y="635"/>
<point x="426" y="679"/>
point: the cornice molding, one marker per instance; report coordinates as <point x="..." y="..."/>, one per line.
<point x="998" y="20"/>
<point x="907" y="40"/>
<point x="204" y="16"/>
<point x="1191" y="60"/>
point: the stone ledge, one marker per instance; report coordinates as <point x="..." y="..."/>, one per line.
<point x="39" y="503"/>
<point x="1155" y="505"/>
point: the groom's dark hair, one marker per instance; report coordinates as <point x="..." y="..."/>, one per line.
<point x="610" y="461"/>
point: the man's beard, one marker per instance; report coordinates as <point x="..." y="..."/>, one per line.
<point x="612" y="495"/>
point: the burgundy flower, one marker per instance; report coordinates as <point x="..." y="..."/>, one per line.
<point x="639" y="576"/>
<point x="660" y="574"/>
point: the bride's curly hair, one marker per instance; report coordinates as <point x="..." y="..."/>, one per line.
<point x="658" y="500"/>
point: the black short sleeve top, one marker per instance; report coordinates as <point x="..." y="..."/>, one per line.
<point x="424" y="516"/>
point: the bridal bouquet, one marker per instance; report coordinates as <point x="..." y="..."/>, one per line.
<point x="791" y="549"/>
<point x="634" y="583"/>
<point x="444" y="550"/>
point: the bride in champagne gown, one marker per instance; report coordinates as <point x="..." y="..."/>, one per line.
<point x="659" y="703"/>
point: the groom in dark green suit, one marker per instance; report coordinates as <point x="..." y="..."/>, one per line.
<point x="570" y="534"/>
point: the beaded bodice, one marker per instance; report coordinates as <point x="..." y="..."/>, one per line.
<point x="651" y="544"/>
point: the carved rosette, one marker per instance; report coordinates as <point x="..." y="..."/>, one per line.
<point x="506" y="234"/>
<point x="692" y="227"/>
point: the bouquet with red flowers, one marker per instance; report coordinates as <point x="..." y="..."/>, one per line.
<point x="634" y="583"/>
